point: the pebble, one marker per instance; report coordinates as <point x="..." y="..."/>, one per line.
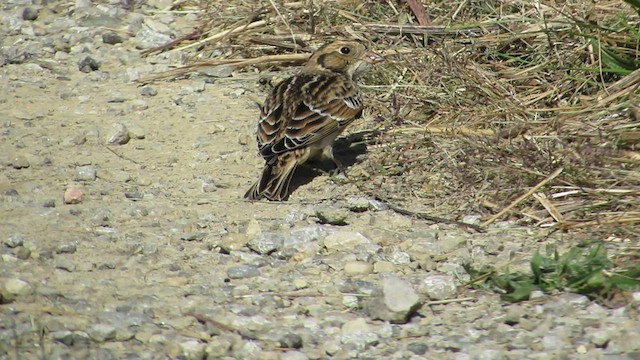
<point x="358" y="268"/>
<point x="102" y="332"/>
<point x="73" y="195"/>
<point x="242" y="272"/>
<point x="395" y="301"/>
<point x="193" y="350"/>
<point x="439" y="287"/>
<point x="332" y="216"/>
<point x="148" y="91"/>
<point x="88" y="64"/>
<point x="14" y="240"/>
<point x="344" y="240"/>
<point x="119" y="136"/>
<point x="22" y="253"/>
<point x="29" y="14"/>
<point x="112" y="38"/>
<point x="12" y="289"/>
<point x="68" y="248"/>
<point x="86" y="173"/>
<point x="20" y="162"/>
<point x="266" y="243"/>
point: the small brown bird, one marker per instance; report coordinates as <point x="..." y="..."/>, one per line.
<point x="305" y="113"/>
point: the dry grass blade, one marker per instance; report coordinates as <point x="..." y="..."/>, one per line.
<point x="475" y="101"/>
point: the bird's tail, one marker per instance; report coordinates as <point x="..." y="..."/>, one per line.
<point x="274" y="181"/>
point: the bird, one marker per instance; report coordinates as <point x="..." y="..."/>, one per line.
<point x="302" y="116"/>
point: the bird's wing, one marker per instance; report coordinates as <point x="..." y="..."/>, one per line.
<point x="305" y="110"/>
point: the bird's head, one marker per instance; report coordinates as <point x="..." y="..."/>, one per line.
<point x="348" y="57"/>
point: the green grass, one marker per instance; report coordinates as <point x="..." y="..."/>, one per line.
<point x="588" y="271"/>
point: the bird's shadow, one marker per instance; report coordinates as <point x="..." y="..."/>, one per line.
<point x="344" y="151"/>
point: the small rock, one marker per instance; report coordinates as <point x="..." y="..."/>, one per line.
<point x="266" y="243"/>
<point x="111" y="38"/>
<point x="116" y="96"/>
<point x="358" y="268"/>
<point x="242" y="272"/>
<point x="418" y="348"/>
<point x="148" y="91"/>
<point x="148" y="38"/>
<point x="88" y="64"/>
<point x="293" y="355"/>
<point x="12" y="289"/>
<point x="14" y="240"/>
<point x="86" y="173"/>
<point x="332" y="216"/>
<point x="72" y="195"/>
<point x="138" y="105"/>
<point x="22" y="253"/>
<point x="439" y="287"/>
<point x="198" y="85"/>
<point x="102" y="332"/>
<point x="64" y="264"/>
<point x="63" y="336"/>
<point x="217" y="347"/>
<point x="383" y="266"/>
<point x="134" y="194"/>
<point x="358" y="204"/>
<point x="514" y="315"/>
<point x="358" y="333"/>
<point x="120" y="135"/>
<point x="300" y="283"/>
<point x="192" y="350"/>
<point x="49" y="203"/>
<point x="20" y="162"/>
<point x="395" y="301"/>
<point x="344" y="240"/>
<point x="68" y="248"/>
<point x="29" y="14"/>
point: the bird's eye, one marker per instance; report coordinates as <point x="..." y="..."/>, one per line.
<point x="344" y="50"/>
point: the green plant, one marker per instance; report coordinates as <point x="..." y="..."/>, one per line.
<point x="586" y="271"/>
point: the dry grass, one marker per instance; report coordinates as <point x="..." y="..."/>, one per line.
<point x="521" y="109"/>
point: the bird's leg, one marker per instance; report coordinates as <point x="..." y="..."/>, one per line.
<point x="340" y="168"/>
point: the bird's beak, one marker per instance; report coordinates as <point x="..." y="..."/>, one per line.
<point x="372" y="58"/>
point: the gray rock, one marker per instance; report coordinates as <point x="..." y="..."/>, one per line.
<point x="358" y="204"/>
<point x="148" y="91"/>
<point x="14" y="240"/>
<point x="102" y="332"/>
<point x="359" y="334"/>
<point x="358" y="268"/>
<point x="20" y="162"/>
<point x="115" y="96"/>
<point x="148" y="38"/>
<point x="119" y="135"/>
<point x="218" y="346"/>
<point x="86" y="173"/>
<point x="192" y="350"/>
<point x="293" y="355"/>
<point x="29" y="14"/>
<point x="395" y="301"/>
<point x="332" y="216"/>
<point x="438" y="287"/>
<point x="111" y="38"/>
<point x="22" y="253"/>
<point x="12" y="289"/>
<point x="242" y="272"/>
<point x="63" y="263"/>
<point x="344" y="240"/>
<point x="88" y="64"/>
<point x="417" y="347"/>
<point x="266" y="243"/>
<point x="63" y="336"/>
<point x="67" y="248"/>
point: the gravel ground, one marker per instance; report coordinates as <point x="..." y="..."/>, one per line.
<point x="124" y="236"/>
